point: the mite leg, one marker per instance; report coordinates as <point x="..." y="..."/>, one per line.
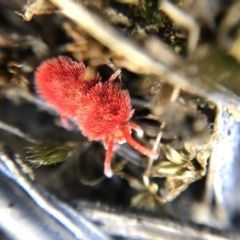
<point x="108" y="159"/>
<point x="114" y="75"/>
<point x="136" y="128"/>
<point x="64" y="122"/>
<point x="140" y="148"/>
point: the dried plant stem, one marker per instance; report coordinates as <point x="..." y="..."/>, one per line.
<point x="136" y="59"/>
<point x="156" y="149"/>
<point x="184" y="20"/>
<point x="174" y="96"/>
<point x="118" y="224"/>
<point x="15" y="131"/>
<point x="76" y="224"/>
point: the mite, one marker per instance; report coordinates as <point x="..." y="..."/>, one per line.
<point x="101" y="109"/>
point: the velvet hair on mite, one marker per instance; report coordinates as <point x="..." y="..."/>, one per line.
<point x="102" y="110"/>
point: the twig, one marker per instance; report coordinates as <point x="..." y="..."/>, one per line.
<point x="118" y="224"/>
<point x="15" y="131"/>
<point x="136" y="59"/>
<point x="62" y="213"/>
<point x="184" y="20"/>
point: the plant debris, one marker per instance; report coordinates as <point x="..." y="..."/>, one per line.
<point x="180" y="64"/>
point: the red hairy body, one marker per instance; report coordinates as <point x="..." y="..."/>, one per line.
<point x="62" y="83"/>
<point x="101" y="109"/>
<point x="104" y="108"/>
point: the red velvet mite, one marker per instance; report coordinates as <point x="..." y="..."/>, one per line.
<point x="101" y="109"/>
